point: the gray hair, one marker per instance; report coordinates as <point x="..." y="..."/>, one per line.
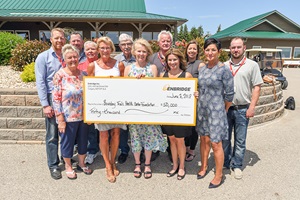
<point x="67" y="48"/>
<point x="76" y="33"/>
<point x="165" y="33"/>
<point x="124" y="37"/>
<point x="89" y="42"/>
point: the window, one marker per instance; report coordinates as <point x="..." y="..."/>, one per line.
<point x="44" y="35"/>
<point x="297" y="52"/>
<point x="128" y="33"/>
<point x="94" y="35"/>
<point x="114" y="36"/>
<point x="150" y="35"/>
<point x="286" y="52"/>
<point x="24" y="34"/>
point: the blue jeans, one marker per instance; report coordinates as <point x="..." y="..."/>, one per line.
<point x="124" y="141"/>
<point x="238" y="121"/>
<point x="51" y="139"/>
<point x="93" y="140"/>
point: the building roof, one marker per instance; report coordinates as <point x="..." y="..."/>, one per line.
<point x="105" y="10"/>
<point x="249" y="28"/>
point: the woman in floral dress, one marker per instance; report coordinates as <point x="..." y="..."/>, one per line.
<point x="149" y="137"/>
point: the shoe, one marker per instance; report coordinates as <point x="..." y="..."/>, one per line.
<point x="110" y="175"/>
<point x="89" y="159"/>
<point x="74" y="175"/>
<point x="115" y="170"/>
<point x="55" y="173"/>
<point x="189" y="157"/>
<point x="122" y="158"/>
<point x="180" y="177"/>
<point x="238" y="174"/>
<point x="169" y="174"/>
<point x="202" y="176"/>
<point x="142" y="157"/>
<point x="211" y="186"/>
<point x="138" y="173"/>
<point x="86" y="170"/>
<point x="147" y="174"/>
<point x="154" y="156"/>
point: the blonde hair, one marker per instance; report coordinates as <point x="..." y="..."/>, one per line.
<point x="57" y="29"/>
<point x="67" y="49"/>
<point x="145" y="43"/>
<point x="107" y="41"/>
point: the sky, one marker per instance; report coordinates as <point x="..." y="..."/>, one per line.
<point x="211" y="14"/>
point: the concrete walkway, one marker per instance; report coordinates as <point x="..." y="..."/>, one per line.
<point x="272" y="169"/>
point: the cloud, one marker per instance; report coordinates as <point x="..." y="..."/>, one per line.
<point x="208" y="16"/>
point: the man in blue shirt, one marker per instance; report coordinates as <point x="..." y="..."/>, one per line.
<point x="46" y="65"/>
<point x="125" y="43"/>
<point x="77" y="41"/>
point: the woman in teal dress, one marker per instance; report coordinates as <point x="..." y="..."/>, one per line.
<point x="149" y="137"/>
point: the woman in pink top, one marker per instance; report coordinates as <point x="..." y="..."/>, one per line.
<point x="90" y="50"/>
<point x="107" y="66"/>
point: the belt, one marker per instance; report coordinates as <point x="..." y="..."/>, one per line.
<point x="238" y="107"/>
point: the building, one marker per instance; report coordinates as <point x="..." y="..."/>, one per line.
<point x="33" y="19"/>
<point x="268" y="30"/>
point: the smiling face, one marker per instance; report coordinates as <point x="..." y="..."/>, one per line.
<point x="173" y="62"/>
<point x="192" y="51"/>
<point x="91" y="51"/>
<point x="104" y="50"/>
<point x="58" y="40"/>
<point x="77" y="41"/>
<point x="140" y="53"/>
<point x="165" y="42"/>
<point x="212" y="53"/>
<point x="71" y="59"/>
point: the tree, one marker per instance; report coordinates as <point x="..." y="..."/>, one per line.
<point x="194" y="33"/>
<point x="186" y="35"/>
<point x="201" y="31"/>
<point x="219" y="28"/>
<point x="180" y="34"/>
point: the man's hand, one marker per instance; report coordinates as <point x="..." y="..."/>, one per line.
<point x="48" y="111"/>
<point x="250" y="112"/>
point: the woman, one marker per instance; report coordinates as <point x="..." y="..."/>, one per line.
<point x="176" y="66"/>
<point x="91" y="53"/>
<point x="216" y="92"/>
<point x="192" y="54"/>
<point x="68" y="108"/>
<point x="149" y="137"/>
<point x="107" y="66"/>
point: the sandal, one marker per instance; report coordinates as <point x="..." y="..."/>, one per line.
<point x="180" y="177"/>
<point x="86" y="170"/>
<point x="189" y="157"/>
<point x="136" y="173"/>
<point x="147" y="174"/>
<point x="115" y="170"/>
<point x="169" y="174"/>
<point x="110" y="175"/>
<point x="71" y="173"/>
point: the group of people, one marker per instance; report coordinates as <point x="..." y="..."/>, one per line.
<point x="227" y="95"/>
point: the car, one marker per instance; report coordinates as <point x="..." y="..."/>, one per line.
<point x="270" y="62"/>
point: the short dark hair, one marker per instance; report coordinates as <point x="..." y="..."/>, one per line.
<point x="210" y="41"/>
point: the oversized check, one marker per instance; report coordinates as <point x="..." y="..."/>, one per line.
<point x="117" y="100"/>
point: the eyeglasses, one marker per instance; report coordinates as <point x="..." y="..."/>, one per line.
<point x="104" y="48"/>
<point x="126" y="44"/>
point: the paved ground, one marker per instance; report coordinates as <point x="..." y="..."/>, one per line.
<point x="272" y="169"/>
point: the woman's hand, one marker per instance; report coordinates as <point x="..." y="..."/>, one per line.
<point x="196" y="94"/>
<point x="62" y="126"/>
<point x="140" y="76"/>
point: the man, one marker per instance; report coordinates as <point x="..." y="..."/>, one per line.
<point x="125" y="44"/>
<point x="77" y="40"/>
<point x="46" y="65"/>
<point x="91" y="52"/>
<point x="165" y="40"/>
<point x="247" y="82"/>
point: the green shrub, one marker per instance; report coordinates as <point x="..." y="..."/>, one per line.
<point x="26" y="53"/>
<point x="8" y="41"/>
<point x="28" y="74"/>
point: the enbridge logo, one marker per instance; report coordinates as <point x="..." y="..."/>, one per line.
<point x="167" y="87"/>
